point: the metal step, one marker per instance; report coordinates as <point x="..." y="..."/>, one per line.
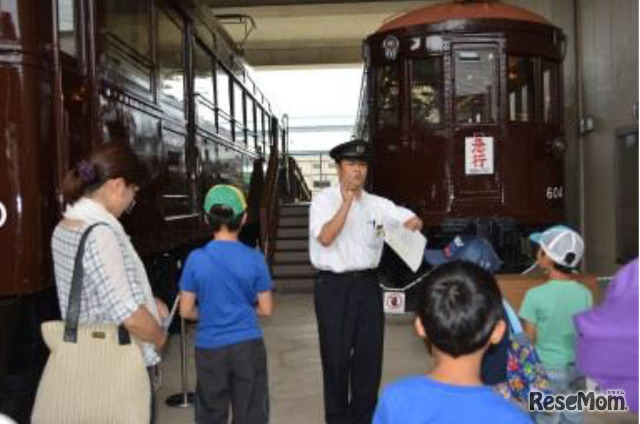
<point x="292" y="244"/>
<point x="293" y="221"/>
<point x="291" y="256"/>
<point x="293" y="233"/>
<point x="294" y="285"/>
<point x="292" y="271"/>
<point x="298" y="209"/>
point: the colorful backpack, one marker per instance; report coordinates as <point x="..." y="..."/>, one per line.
<point x="525" y="372"/>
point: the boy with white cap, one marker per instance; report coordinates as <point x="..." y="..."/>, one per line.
<point x="548" y="312"/>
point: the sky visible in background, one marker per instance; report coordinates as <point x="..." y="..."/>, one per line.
<point x="322" y="102"/>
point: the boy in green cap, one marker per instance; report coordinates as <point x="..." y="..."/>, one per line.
<point x="231" y="284"/>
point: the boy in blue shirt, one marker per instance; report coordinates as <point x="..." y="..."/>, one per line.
<point x="478" y="251"/>
<point x="231" y="285"/>
<point x="459" y="316"/>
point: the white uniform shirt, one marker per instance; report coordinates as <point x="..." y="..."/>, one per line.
<point x="359" y="244"/>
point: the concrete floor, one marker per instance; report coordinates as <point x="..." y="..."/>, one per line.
<point x="294" y="365"/>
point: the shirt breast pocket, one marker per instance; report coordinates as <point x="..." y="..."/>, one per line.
<point x="373" y="233"/>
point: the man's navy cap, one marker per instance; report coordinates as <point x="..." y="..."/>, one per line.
<point x="476" y="250"/>
<point x="354" y="149"/>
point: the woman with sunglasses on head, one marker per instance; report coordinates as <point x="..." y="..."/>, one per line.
<point x="116" y="289"/>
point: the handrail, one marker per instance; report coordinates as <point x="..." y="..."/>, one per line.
<point x="299" y="188"/>
<point x="269" y="211"/>
<point x="285" y="152"/>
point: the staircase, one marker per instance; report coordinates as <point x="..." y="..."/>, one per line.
<point x="292" y="270"/>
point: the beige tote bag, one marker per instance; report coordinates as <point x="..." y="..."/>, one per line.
<point x="95" y="373"/>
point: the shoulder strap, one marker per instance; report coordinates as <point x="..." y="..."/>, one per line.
<point x="73" y="306"/>
<point x="514" y="322"/>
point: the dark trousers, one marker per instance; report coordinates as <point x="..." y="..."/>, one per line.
<point x="351" y="331"/>
<point x="236" y="375"/>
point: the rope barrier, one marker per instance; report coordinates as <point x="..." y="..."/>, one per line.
<point x="423" y="276"/>
<point x="408" y="286"/>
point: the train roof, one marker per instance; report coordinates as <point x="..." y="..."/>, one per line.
<point x="461" y="10"/>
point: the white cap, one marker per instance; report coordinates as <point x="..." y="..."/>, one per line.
<point x="561" y="244"/>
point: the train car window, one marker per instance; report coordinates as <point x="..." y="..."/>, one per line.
<point x="251" y="123"/>
<point x="207" y="157"/>
<point x="170" y="58"/>
<point x="427" y="91"/>
<point x="247" y="170"/>
<point x="203" y="85"/>
<point x="550" y="92"/>
<point x="224" y="101"/>
<point x="174" y="183"/>
<point x="388" y="96"/>
<point x="125" y="34"/>
<point x="67" y="34"/>
<point x="476" y="86"/>
<point x="520" y="88"/>
<point x="128" y="23"/>
<point x="260" y="124"/>
<point x="230" y="166"/>
<point x="238" y="113"/>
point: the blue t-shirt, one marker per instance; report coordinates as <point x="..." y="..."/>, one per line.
<point x="226" y="277"/>
<point x="422" y="400"/>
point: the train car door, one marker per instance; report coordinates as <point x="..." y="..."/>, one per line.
<point x="477" y="129"/>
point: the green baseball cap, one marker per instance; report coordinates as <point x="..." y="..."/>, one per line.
<point x="225" y="195"/>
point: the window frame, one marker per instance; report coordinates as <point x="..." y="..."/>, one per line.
<point x="442" y="109"/>
<point x="494" y="47"/>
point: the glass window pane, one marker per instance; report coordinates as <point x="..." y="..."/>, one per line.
<point x="224" y="101"/>
<point x="260" y="122"/>
<point x="520" y="80"/>
<point x="170" y="57"/>
<point x="203" y="85"/>
<point x="124" y="29"/>
<point x="173" y="180"/>
<point x="251" y="123"/>
<point x="238" y="104"/>
<point x="128" y="22"/>
<point x="67" y="27"/>
<point x="238" y="113"/>
<point x="239" y="135"/>
<point x="550" y="91"/>
<point x="387" y="100"/>
<point x="230" y="166"/>
<point x="427" y="91"/>
<point x="476" y="88"/>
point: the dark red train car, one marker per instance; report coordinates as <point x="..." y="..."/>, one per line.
<point x="462" y="102"/>
<point x="159" y="74"/>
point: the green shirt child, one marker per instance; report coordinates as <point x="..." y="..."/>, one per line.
<point x="551" y="307"/>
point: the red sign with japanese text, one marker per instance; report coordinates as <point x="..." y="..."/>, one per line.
<point x="478" y="155"/>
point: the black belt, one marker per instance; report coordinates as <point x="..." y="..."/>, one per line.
<point x="352" y="274"/>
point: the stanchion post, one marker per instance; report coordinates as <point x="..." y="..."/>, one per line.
<point x="185" y="398"/>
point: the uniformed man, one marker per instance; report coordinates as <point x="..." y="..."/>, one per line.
<point x="345" y="243"/>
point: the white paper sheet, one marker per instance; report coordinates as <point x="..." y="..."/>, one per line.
<point x="409" y="245"/>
